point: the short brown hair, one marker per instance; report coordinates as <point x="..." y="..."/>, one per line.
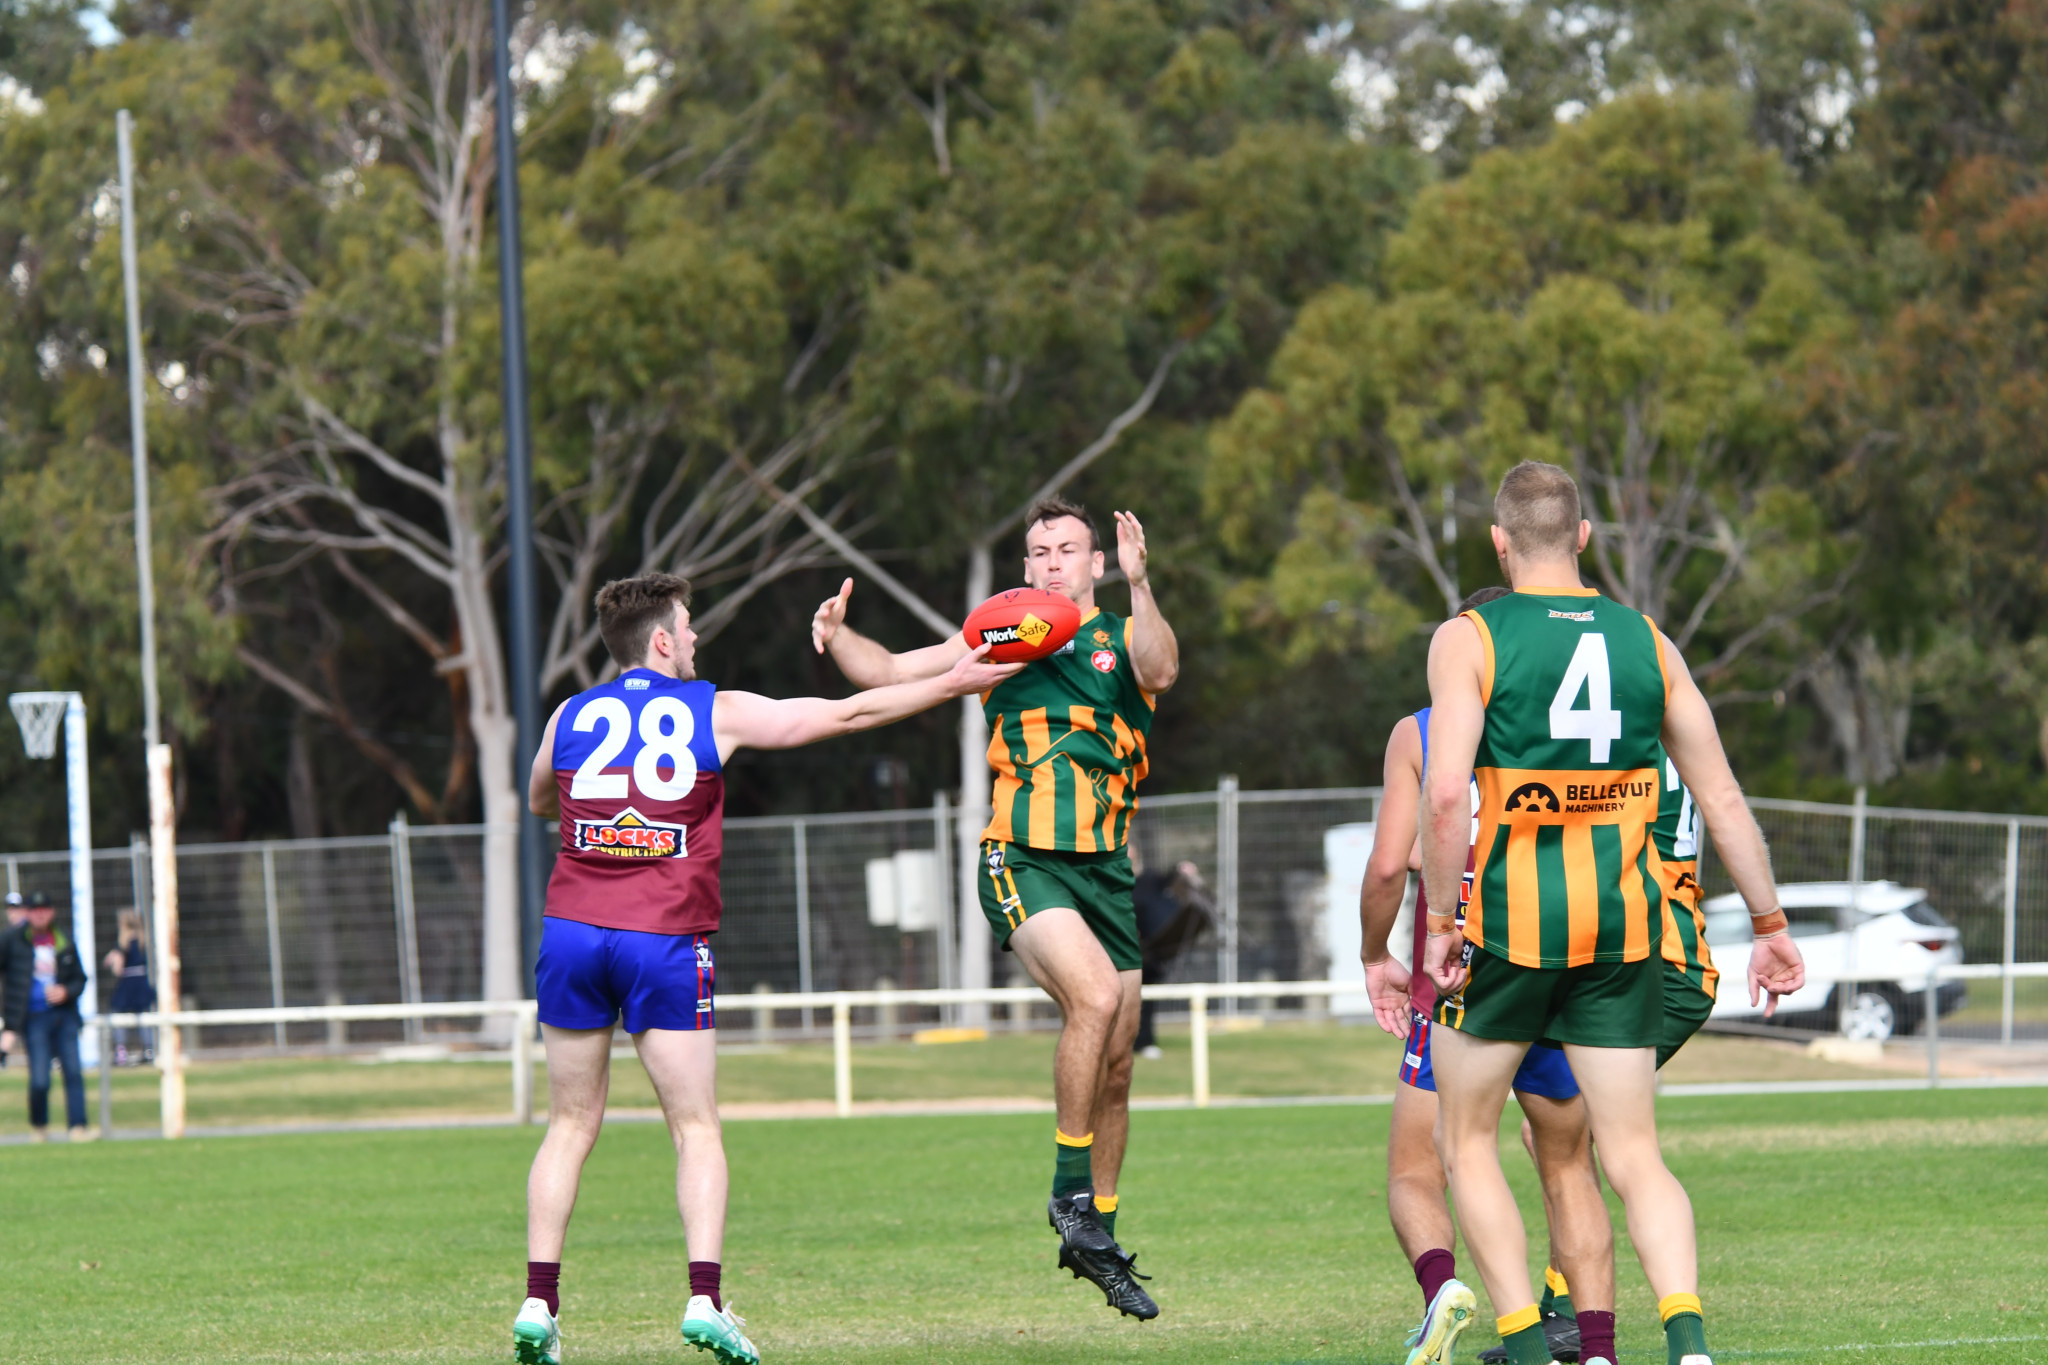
<point x="1052" y="509"/>
<point x="628" y="610"/>
<point x="1538" y="507"/>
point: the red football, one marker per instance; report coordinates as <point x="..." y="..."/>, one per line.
<point x="1022" y="624"/>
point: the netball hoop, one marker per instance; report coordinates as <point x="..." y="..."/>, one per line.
<point x="38" y="715"/>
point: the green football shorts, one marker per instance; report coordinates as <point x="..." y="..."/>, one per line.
<point x="1602" y="1004"/>
<point x="1686" y="1007"/>
<point x="1017" y="882"/>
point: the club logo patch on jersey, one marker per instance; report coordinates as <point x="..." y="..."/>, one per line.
<point x="1533" y="798"/>
<point x="1571" y="615"/>
<point x="1104" y="660"/>
<point x="1101" y="637"/>
<point x="629" y="834"/>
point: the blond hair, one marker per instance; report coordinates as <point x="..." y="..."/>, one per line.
<point x="1538" y="507"/>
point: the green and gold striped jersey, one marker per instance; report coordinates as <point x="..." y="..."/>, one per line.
<point x="1675" y="845"/>
<point x="1067" y="742"/>
<point x="1569" y="769"/>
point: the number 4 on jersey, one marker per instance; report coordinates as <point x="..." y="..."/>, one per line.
<point x="1599" y="724"/>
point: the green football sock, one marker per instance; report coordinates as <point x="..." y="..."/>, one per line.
<point x="1557" y="1295"/>
<point x="1522" y="1334"/>
<point x="1071" y="1173"/>
<point x="1105" y="1207"/>
<point x="1685" y="1332"/>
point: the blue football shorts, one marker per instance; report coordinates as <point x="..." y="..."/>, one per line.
<point x="1544" y="1069"/>
<point x="588" y="978"/>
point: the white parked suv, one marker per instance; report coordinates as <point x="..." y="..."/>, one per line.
<point x="1897" y="934"/>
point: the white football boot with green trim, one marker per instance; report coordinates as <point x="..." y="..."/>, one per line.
<point x="717" y="1330"/>
<point x="1449" y="1313"/>
<point x="536" y="1337"/>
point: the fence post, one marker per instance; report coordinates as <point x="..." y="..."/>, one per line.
<point x="408" y="928"/>
<point x="1198" y="1035"/>
<point x="1845" y="918"/>
<point x="106" y="1076"/>
<point x="803" y="915"/>
<point x="842" y="1056"/>
<point x="2012" y="911"/>
<point x="522" y="1065"/>
<point x="949" y="957"/>
<point x="1226" y="885"/>
<point x="14" y="876"/>
<point x="276" y="936"/>
<point x="1933" y="1032"/>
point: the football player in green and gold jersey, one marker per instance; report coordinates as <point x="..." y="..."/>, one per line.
<point x="1563" y="936"/>
<point x="1067" y="742"/>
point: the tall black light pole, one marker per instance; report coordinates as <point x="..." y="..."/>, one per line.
<point x="522" y="598"/>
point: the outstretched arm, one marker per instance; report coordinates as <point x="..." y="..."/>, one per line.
<point x="864" y="662"/>
<point x="1457" y="719"/>
<point x="1155" y="653"/>
<point x="1386" y="877"/>
<point x="543" y="793"/>
<point x="1694" y="743"/>
<point x="745" y="720"/>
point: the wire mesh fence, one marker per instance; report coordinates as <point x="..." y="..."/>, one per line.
<point x="869" y="900"/>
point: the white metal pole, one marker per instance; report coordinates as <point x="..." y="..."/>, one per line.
<point x="1226" y="886"/>
<point x="842" y="1056"/>
<point x="137" y="434"/>
<point x="162" y="809"/>
<point x="1198" y="1037"/>
<point x="2012" y="912"/>
<point x="948" y="955"/>
<point x="276" y="935"/>
<point x="78" y="805"/>
<point x="803" y="915"/>
<point x="1845" y="989"/>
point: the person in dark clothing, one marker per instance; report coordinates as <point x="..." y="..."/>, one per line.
<point x="128" y="964"/>
<point x="42" y="977"/>
<point x="1173" y="907"/>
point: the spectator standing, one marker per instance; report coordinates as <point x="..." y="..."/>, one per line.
<point x="42" y="977"/>
<point x="128" y="964"/>
<point x="1173" y="907"/>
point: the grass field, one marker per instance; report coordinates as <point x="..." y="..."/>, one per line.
<point x="1894" y="1227"/>
<point x="1283" y="1059"/>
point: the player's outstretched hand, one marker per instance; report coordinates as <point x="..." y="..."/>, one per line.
<point x="974" y="673"/>
<point x="1443" y="957"/>
<point x="829" y="617"/>
<point x="1386" y="982"/>
<point x="1130" y="548"/>
<point x="1775" y="969"/>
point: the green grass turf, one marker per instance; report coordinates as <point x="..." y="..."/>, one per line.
<point x="1281" y="1059"/>
<point x="1827" y="1222"/>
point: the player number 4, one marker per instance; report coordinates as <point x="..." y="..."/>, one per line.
<point x="659" y="747"/>
<point x="1599" y="724"/>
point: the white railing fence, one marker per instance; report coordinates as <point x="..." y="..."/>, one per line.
<point x="864" y="900"/>
<point x="841" y="1004"/>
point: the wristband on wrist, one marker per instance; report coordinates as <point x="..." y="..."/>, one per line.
<point x="1439" y="925"/>
<point x="1769" y="923"/>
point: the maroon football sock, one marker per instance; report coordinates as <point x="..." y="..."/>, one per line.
<point x="544" y="1282"/>
<point x="1596" y="1335"/>
<point x="704" y="1280"/>
<point x="1432" y="1268"/>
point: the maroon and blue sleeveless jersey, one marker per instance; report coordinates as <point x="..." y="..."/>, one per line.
<point x="643" y="807"/>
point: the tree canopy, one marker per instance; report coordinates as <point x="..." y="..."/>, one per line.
<point x="828" y="278"/>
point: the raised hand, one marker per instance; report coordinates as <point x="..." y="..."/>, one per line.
<point x="1130" y="548"/>
<point x="829" y="617"/>
<point x="1387" y="983"/>
<point x="1775" y="969"/>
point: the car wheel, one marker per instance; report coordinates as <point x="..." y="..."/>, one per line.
<point x="1871" y="1017"/>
